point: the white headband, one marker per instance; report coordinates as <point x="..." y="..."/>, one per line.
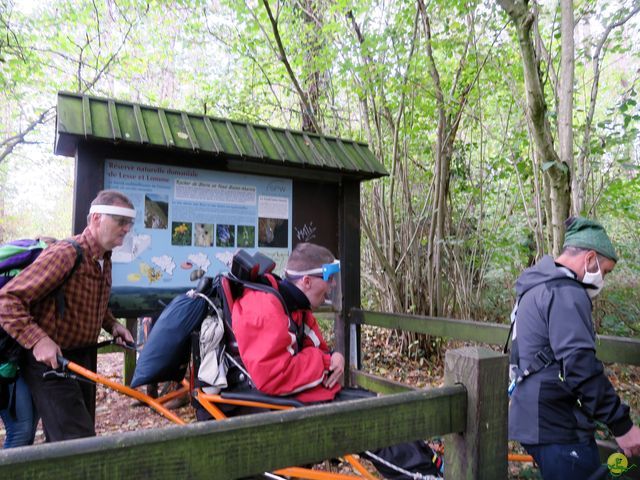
<point x="314" y="271"/>
<point x="113" y="210"/>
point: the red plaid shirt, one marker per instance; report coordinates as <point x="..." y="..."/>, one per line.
<point x="28" y="310"/>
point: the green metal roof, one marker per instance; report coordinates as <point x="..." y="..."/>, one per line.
<point x="82" y="117"/>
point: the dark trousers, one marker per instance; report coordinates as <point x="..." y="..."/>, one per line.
<point x="20" y="417"/>
<point x="568" y="461"/>
<point x="67" y="407"/>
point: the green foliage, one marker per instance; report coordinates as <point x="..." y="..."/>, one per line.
<point x="374" y="84"/>
<point x="621" y="199"/>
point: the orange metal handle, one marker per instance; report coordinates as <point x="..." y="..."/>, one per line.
<point x="153" y="403"/>
<point x="210" y="397"/>
<point x="305" y="473"/>
<point x="517" y="457"/>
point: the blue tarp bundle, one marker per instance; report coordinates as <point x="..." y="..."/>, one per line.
<point x="165" y="355"/>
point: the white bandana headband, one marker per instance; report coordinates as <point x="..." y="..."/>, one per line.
<point x="326" y="270"/>
<point x="113" y="210"/>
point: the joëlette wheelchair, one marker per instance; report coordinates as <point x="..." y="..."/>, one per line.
<point x="241" y="397"/>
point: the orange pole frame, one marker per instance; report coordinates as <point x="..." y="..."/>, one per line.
<point x="208" y="401"/>
<point x="309" y="474"/>
<point x="153" y="403"/>
<point x="209" y="397"/>
<point x="184" y="390"/>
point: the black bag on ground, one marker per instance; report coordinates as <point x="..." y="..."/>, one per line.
<point x="403" y="461"/>
<point x="165" y="355"/>
<point x="410" y="457"/>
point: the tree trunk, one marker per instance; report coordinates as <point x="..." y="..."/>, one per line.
<point x="313" y="82"/>
<point x="555" y="169"/>
<point x="565" y="93"/>
<point x="2" y="227"/>
<point x="449" y="115"/>
<point x="307" y="109"/>
<point x="581" y="172"/>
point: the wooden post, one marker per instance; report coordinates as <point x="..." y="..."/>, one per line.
<point x="480" y="452"/>
<point x="130" y="355"/>
<point x="89" y="180"/>
<point x="348" y="335"/>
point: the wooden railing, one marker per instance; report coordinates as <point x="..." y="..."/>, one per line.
<point x="470" y="411"/>
<point x="608" y="349"/>
<point x="129" y="364"/>
<point x="249" y="445"/>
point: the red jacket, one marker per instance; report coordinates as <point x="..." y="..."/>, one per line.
<point x="269" y="350"/>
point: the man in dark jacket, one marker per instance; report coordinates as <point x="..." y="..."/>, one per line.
<point x="559" y="388"/>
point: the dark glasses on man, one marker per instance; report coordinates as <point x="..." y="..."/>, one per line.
<point x="121" y="220"/>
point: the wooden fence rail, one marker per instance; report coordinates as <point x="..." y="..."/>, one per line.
<point x="243" y="446"/>
<point x="609" y="349"/>
<point x="252" y="444"/>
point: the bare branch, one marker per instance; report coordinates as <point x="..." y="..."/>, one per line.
<point x="309" y="13"/>
<point x="8" y="145"/>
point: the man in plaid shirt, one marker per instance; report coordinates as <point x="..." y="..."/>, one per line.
<point x="28" y="312"/>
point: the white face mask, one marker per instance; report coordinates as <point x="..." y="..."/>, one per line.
<point x="596" y="279"/>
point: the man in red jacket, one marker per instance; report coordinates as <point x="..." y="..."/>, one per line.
<point x="284" y="352"/>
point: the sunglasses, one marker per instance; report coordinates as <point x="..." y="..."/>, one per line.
<point x="122" y="221"/>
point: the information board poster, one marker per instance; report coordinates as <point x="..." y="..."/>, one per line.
<point x="190" y="222"/>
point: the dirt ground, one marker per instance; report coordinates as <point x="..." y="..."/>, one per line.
<point x="116" y="413"/>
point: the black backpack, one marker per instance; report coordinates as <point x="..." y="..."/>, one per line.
<point x="166" y="353"/>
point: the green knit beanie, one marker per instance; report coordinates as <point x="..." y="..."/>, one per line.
<point x="584" y="233"/>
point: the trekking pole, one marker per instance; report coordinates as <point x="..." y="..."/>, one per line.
<point x="157" y="406"/>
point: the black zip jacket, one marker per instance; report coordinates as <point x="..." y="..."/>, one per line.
<point x="560" y="403"/>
